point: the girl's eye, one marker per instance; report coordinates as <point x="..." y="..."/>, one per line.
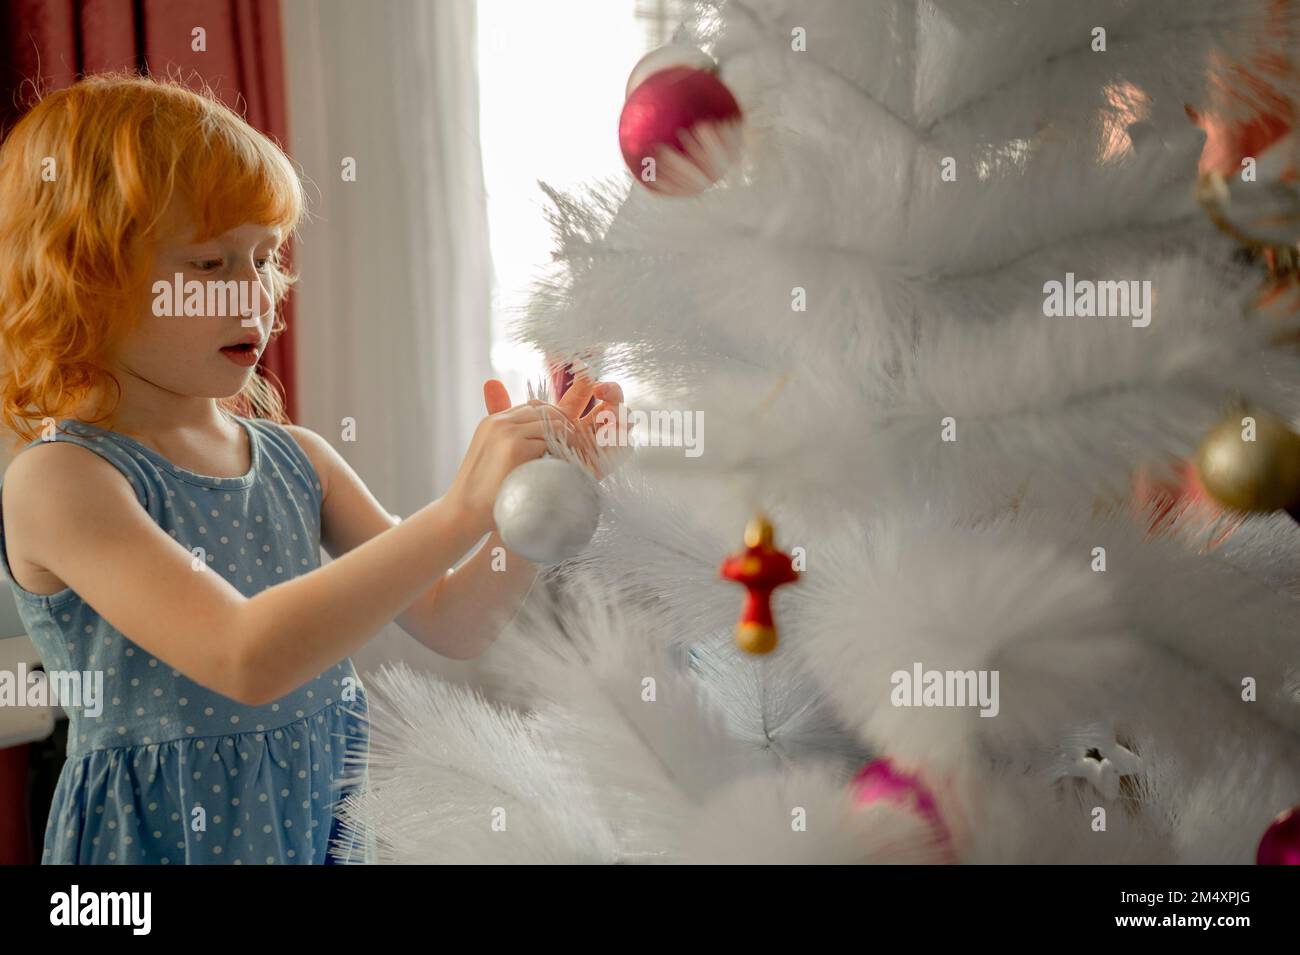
<point x="262" y="264"/>
<point x="206" y="265"/>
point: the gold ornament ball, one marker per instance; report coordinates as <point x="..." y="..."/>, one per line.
<point x="1251" y="475"/>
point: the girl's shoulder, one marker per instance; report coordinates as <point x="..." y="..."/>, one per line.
<point x="53" y="488"/>
<point x="63" y="460"/>
<point x="303" y="450"/>
<point x="289" y="450"/>
<point x="318" y="452"/>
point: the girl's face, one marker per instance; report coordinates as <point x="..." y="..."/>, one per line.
<point x="208" y="311"/>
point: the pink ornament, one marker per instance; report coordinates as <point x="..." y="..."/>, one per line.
<point x="666" y="57"/>
<point x="881" y="781"/>
<point x="681" y="128"/>
<point x="1280" y="844"/>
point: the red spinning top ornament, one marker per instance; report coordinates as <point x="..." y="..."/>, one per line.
<point x="761" y="568"/>
<point x="681" y="128"/>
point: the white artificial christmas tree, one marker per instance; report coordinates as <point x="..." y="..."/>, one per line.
<point x="859" y="313"/>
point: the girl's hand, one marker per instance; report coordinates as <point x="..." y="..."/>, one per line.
<point x="510" y="436"/>
<point x="505" y="439"/>
<point x="583" y="438"/>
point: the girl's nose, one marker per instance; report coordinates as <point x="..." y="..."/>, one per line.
<point x="256" y="300"/>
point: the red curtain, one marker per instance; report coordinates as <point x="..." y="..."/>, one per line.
<point x="49" y="44"/>
<point x="56" y="41"/>
<point x="16" y="844"/>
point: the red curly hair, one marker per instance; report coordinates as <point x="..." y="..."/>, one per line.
<point x="85" y="178"/>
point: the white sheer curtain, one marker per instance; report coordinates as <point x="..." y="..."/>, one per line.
<point x="393" y="326"/>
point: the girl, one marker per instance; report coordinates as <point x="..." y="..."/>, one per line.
<point x="157" y="537"/>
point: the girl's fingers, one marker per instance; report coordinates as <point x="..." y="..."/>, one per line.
<point x="557" y="418"/>
<point x="601" y="416"/>
<point x="580" y="438"/>
<point x="574" y="401"/>
<point x="608" y="391"/>
<point x="531" y="430"/>
<point x="529" y="448"/>
<point x="535" y="411"/>
<point x="495" y="396"/>
<point x="571" y="405"/>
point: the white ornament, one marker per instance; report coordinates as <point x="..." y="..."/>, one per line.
<point x="547" y="510"/>
<point x="1103" y="766"/>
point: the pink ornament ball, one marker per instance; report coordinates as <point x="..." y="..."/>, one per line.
<point x="666" y="57"/>
<point x="880" y="781"/>
<point x="680" y="130"/>
<point x="1280" y="844"/>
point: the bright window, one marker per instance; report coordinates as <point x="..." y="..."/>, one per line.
<point x="551" y="83"/>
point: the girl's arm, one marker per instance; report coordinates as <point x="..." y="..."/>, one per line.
<point x="469" y="607"/>
<point x="473" y="603"/>
<point x="462" y="612"/>
<point x="79" y="519"/>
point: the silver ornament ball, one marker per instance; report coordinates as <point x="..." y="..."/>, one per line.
<point x="547" y="510"/>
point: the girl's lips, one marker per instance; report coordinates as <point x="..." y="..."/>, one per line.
<point x="243" y="355"/>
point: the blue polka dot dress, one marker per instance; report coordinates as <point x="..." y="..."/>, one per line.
<point x="170" y="772"/>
